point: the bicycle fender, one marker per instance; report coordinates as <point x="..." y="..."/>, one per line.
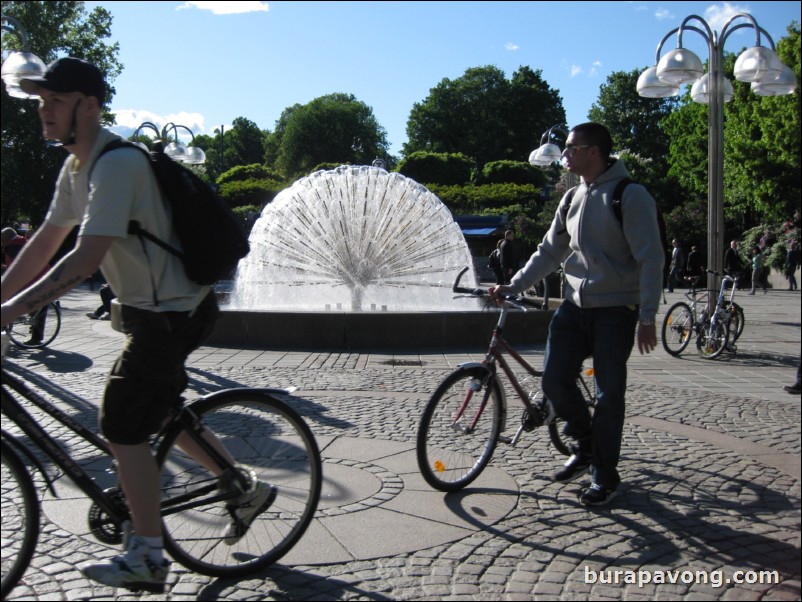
<point x="263" y="391"/>
<point x="502" y="393"/>
<point x="10" y="441"/>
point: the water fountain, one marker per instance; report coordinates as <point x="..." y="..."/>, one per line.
<point x="354" y="258"/>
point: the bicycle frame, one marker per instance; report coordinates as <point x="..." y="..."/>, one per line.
<point x="185" y="421"/>
<point x="495" y="357"/>
<point x="13" y="410"/>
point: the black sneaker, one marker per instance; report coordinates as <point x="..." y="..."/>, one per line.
<point x="597" y="495"/>
<point x="577" y="465"/>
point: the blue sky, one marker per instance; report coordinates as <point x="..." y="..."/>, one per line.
<point x="202" y="64"/>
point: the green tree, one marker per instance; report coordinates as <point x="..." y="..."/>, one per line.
<point x="761" y="148"/>
<point x="325" y="131"/>
<point x="54" y="29"/>
<point x="485" y="116"/>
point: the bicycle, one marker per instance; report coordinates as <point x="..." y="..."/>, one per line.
<point x="714" y="335"/>
<point x="22" y="331"/>
<point x="463" y="421"/>
<point x="262" y="437"/>
<point x="682" y="320"/>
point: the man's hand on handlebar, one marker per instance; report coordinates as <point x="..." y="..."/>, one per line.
<point x="497" y="292"/>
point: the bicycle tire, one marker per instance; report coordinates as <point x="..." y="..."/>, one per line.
<point x="20" y="519"/>
<point x="267" y="436"/>
<point x="737" y="321"/>
<point x="677" y="328"/>
<point x="562" y="443"/>
<point x="19" y="331"/>
<point x="451" y="457"/>
<point x="713" y="340"/>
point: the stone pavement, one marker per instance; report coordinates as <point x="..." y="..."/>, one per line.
<point x="709" y="508"/>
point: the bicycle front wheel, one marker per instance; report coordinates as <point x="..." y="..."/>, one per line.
<point x="737" y="321"/>
<point x="268" y="439"/>
<point x="38" y="329"/>
<point x="20" y="519"/>
<point x="677" y="328"/>
<point x="712" y="339"/>
<point x="459" y="428"/>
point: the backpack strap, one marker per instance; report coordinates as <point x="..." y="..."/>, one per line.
<point x="134" y="226"/>
<point x="618" y="194"/>
<point x="566" y="207"/>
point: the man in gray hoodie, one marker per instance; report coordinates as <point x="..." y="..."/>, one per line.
<point x="613" y="270"/>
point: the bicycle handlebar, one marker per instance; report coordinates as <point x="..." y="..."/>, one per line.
<point x="480" y="292"/>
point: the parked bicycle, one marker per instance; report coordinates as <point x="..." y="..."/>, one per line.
<point x="684" y="321"/>
<point x="37" y="329"/>
<point x="721" y="330"/>
<point x="262" y="438"/>
<point x="464" y="420"/>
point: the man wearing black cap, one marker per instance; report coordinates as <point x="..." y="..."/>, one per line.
<point x="162" y="329"/>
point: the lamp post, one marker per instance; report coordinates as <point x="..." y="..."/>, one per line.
<point x="222" y="132"/>
<point x="176" y="150"/>
<point x="549" y="152"/>
<point x="19" y="65"/>
<point x="758" y="65"/>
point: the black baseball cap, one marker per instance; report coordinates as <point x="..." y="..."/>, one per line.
<point x="68" y="75"/>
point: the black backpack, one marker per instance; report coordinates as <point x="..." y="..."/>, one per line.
<point x="212" y="236"/>
<point x="494" y="261"/>
<point x="618" y="194"/>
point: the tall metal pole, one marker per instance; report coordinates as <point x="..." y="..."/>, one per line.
<point x="715" y="201"/>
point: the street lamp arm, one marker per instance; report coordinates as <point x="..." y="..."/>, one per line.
<point x="16" y="29"/>
<point x="707" y="33"/>
<point x="701" y="32"/>
<point x="149" y="125"/>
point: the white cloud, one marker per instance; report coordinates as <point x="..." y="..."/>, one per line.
<point x="228" y="8"/>
<point x="594" y="68"/>
<point x="512" y="46"/>
<point x="663" y="13"/>
<point x="576" y="70"/>
<point x="128" y="120"/>
<point x="718" y="14"/>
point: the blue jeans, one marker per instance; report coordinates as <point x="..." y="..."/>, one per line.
<point x="607" y="334"/>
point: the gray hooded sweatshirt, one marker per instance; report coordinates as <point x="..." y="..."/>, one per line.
<point x="606" y="263"/>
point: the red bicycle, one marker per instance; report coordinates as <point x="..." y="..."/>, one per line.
<point x="464" y="420"/>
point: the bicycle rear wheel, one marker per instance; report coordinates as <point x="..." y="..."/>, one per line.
<point x="38" y="329"/>
<point x="677" y="328"/>
<point x="713" y="340"/>
<point x="264" y="435"/>
<point x="459" y="428"/>
<point x="20" y="519"/>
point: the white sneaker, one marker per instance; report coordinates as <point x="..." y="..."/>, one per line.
<point x="246" y="508"/>
<point x="135" y="573"/>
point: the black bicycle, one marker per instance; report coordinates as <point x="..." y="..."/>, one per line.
<point x="464" y="420"/>
<point x="37" y="329"/>
<point x="256" y="435"/>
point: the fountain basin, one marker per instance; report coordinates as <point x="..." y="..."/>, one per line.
<point x="361" y="331"/>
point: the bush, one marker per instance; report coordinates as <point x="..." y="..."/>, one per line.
<point x="326" y="167"/>
<point x="512" y="172"/>
<point x="250" y="192"/>
<point x="479" y="199"/>
<point x="772" y="242"/>
<point x="255" y="171"/>
<point x="437" y="168"/>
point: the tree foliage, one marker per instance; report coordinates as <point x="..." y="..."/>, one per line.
<point x="761" y="148"/>
<point x="331" y="128"/>
<point x="485" y="116"/>
<point x="54" y="29"/>
<point x="438" y="168"/>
